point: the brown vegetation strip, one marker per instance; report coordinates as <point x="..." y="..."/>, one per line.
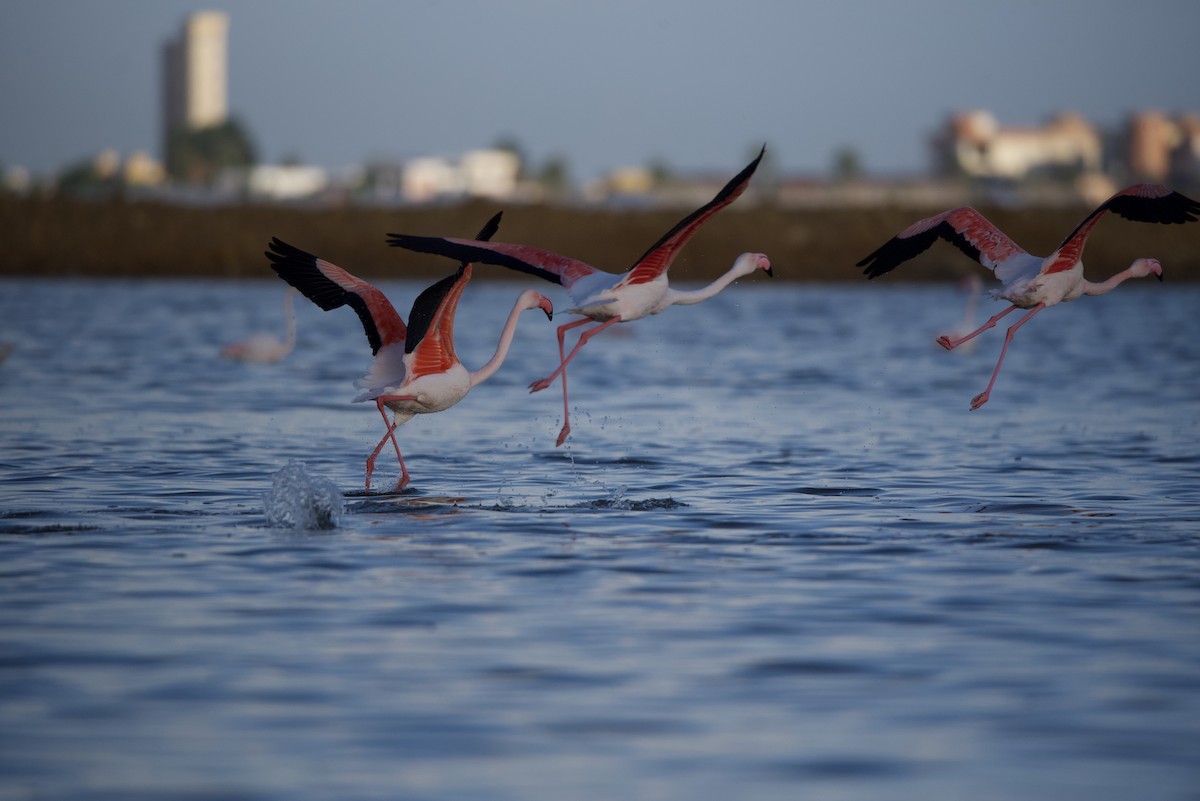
<point x="62" y="237"/>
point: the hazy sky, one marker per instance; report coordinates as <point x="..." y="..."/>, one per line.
<point x="695" y="83"/>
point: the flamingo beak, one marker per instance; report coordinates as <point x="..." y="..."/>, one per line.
<point x="545" y="305"/>
<point x="764" y="264"/>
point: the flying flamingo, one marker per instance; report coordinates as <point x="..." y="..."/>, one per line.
<point x="266" y="348"/>
<point x="1031" y="282"/>
<point x="415" y="370"/>
<point x="600" y="296"/>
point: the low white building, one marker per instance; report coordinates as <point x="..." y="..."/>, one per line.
<point x="975" y="144"/>
<point x="478" y="173"/>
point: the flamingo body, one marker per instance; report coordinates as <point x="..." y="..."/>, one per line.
<point x="415" y="370"/>
<point x="1029" y="281"/>
<point x="597" y="295"/>
<point x="263" y="348"/>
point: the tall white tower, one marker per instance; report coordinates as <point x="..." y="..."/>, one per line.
<point x="195" y="74"/>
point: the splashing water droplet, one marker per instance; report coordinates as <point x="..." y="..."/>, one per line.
<point x="297" y="500"/>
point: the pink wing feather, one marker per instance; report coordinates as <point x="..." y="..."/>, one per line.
<point x="656" y="261"/>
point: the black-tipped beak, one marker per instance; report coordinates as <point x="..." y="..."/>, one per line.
<point x="1159" y="277"/>
<point x="549" y="315"/>
<point x="770" y="272"/>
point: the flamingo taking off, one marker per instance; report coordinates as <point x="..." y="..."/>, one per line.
<point x="600" y="296"/>
<point x="416" y="370"/>
<point x="266" y="348"/>
<point x="1031" y="282"/>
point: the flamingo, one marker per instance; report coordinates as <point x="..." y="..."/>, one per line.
<point x="973" y="286"/>
<point x="1028" y="281"/>
<point x="600" y="296"/>
<point x="266" y="348"/>
<point x="415" y="370"/>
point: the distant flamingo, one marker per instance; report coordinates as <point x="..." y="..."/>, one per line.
<point x="1031" y="282"/>
<point x="265" y="348"/>
<point x="601" y="296"/>
<point x="416" y="370"/>
<point x="973" y="286"/>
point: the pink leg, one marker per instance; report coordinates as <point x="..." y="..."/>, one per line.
<point x="562" y="368"/>
<point x="982" y="397"/>
<point x="391" y="434"/>
<point x="949" y="344"/>
<point x="542" y="383"/>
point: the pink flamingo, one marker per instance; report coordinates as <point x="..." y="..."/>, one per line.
<point x="600" y="296"/>
<point x="1031" y="282"/>
<point x="415" y="370"/>
<point x="265" y="348"/>
<point x="973" y="286"/>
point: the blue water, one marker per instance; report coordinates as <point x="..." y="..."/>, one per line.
<point x="778" y="559"/>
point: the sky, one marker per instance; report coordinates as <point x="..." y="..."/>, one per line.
<point x="697" y="85"/>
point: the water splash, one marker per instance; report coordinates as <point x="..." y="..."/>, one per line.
<point x="297" y="500"/>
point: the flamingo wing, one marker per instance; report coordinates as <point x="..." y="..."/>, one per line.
<point x="655" y="261"/>
<point x="553" y="267"/>
<point x="430" y="337"/>
<point x="329" y="286"/>
<point x="431" y="325"/>
<point x="1150" y="203"/>
<point x="967" y="230"/>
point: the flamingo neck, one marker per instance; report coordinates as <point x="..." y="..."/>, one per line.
<point x="1108" y="286"/>
<point x="506" y="337"/>
<point x="683" y="298"/>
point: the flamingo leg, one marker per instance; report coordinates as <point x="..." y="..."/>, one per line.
<point x="542" y="383"/>
<point x="982" y="397"/>
<point x="391" y="434"/>
<point x="562" y="368"/>
<point x="950" y="344"/>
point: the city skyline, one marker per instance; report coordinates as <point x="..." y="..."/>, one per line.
<point x="692" y="86"/>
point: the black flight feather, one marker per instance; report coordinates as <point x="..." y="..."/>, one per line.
<point x="299" y="268"/>
<point x="426" y="305"/>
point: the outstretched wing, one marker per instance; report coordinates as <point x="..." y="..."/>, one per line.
<point x="1151" y="203"/>
<point x="329" y="286"/>
<point x="523" y="258"/>
<point x="655" y="261"/>
<point x="967" y="230"/>
<point x="431" y="322"/>
<point x="431" y="325"/>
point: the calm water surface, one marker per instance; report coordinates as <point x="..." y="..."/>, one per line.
<point x="778" y="559"/>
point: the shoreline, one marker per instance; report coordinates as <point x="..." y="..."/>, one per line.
<point x="62" y="237"/>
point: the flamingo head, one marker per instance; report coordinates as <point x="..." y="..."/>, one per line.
<point x="536" y="300"/>
<point x="1143" y="267"/>
<point x="747" y="263"/>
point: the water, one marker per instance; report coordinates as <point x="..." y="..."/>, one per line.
<point x="779" y="558"/>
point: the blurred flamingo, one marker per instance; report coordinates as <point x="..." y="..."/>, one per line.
<point x="415" y="370"/>
<point x="973" y="286"/>
<point x="1028" y="281"/>
<point x="266" y="348"/>
<point x="600" y="296"/>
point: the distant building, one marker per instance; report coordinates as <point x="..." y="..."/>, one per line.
<point x="1163" y="149"/>
<point x="974" y="144"/>
<point x="1151" y="138"/>
<point x="286" y="182"/>
<point x="490" y="173"/>
<point x="195" y="75"/>
<point x="479" y="173"/>
<point x="140" y="169"/>
<point x="428" y="178"/>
